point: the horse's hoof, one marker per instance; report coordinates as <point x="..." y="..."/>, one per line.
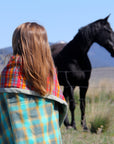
<point x="70" y="127"/>
<point x="85" y="129"/>
<point x="73" y="126"/>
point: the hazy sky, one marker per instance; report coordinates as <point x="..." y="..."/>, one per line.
<point x="61" y="18"/>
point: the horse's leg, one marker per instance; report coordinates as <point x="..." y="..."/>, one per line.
<point x="68" y="93"/>
<point x="66" y="121"/>
<point x="72" y="108"/>
<point x="83" y="91"/>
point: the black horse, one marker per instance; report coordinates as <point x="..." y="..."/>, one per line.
<point x="73" y="64"/>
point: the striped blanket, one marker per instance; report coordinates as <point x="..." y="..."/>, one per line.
<point x="25" y="116"/>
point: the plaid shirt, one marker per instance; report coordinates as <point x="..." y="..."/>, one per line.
<point x="25" y="116"/>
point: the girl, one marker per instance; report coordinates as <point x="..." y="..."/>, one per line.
<point x="32" y="106"/>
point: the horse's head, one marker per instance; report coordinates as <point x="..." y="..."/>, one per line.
<point x="105" y="35"/>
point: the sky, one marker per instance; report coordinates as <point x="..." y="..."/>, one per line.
<point x="61" y="18"/>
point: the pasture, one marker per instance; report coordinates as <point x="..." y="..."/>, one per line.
<point x="99" y="103"/>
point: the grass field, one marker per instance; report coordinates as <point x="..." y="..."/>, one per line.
<point x="99" y="102"/>
<point x="71" y="136"/>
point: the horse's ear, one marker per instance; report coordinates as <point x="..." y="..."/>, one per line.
<point x="107" y="17"/>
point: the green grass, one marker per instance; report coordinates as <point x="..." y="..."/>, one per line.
<point x="99" y="113"/>
<point x="99" y="124"/>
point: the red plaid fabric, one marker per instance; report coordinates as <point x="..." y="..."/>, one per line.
<point x="12" y="76"/>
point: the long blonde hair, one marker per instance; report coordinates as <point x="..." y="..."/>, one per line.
<point x="31" y="43"/>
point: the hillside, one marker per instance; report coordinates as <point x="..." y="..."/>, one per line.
<point x="99" y="57"/>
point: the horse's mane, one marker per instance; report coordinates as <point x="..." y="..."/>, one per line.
<point x="88" y="31"/>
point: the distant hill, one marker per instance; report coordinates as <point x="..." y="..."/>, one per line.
<point x="99" y="57"/>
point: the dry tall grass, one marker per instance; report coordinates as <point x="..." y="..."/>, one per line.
<point x="100" y="106"/>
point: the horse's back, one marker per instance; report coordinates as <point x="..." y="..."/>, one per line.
<point x="57" y="48"/>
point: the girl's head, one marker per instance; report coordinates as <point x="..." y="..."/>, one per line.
<point x="31" y="43"/>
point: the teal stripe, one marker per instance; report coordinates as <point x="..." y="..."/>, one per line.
<point x="39" y="140"/>
<point x="18" y="125"/>
<point x="31" y="141"/>
<point x="46" y="137"/>
<point x="21" y="142"/>
<point x="4" y="121"/>
<point x="14" y="108"/>
<point x="36" y="122"/>
<point x="31" y="104"/>
<point x="27" y="123"/>
<point x="3" y="118"/>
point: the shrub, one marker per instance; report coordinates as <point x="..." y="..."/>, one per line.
<point x="100" y="116"/>
<point x="99" y="124"/>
